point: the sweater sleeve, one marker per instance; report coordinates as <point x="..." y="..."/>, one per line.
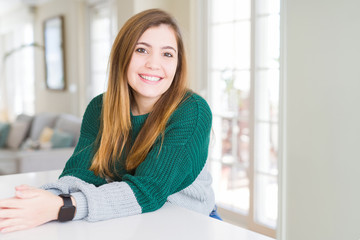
<point x="79" y="163"/>
<point x="174" y="165"/>
<point x="169" y="168"/>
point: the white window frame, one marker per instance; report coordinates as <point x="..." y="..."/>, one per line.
<point x="232" y="216"/>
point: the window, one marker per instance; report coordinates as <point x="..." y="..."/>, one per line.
<point x="100" y="34"/>
<point x="244" y="43"/>
<point x="17" y="93"/>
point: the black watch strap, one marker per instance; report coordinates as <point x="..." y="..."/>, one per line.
<point x="67" y="211"/>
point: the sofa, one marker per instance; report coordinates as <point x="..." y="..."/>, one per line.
<point x="37" y="143"/>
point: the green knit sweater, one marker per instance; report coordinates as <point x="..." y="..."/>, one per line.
<point x="180" y="160"/>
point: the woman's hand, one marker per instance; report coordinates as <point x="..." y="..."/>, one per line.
<point x="29" y="208"/>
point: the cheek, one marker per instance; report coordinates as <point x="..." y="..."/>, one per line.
<point x="171" y="69"/>
<point x="132" y="68"/>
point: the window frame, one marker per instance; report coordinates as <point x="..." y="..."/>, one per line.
<point x="235" y="217"/>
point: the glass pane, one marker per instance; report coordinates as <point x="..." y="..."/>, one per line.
<point x="243" y="141"/>
<point x="216" y="143"/>
<point x="98" y="27"/>
<point x="228" y="166"/>
<point x="267" y="6"/>
<point x="242" y="9"/>
<point x="231" y="141"/>
<point x="267" y="92"/>
<point x="100" y="22"/>
<point x="222" y="46"/>
<point x="224" y="96"/>
<point x="242" y="45"/>
<point x="230" y="93"/>
<point x="242" y="86"/>
<point x="231" y="186"/>
<point x="228" y="146"/>
<point x="100" y="47"/>
<point x="222" y="11"/>
<point x="268" y="42"/>
<point x="274" y="146"/>
<point x="266" y="147"/>
<point x="99" y="83"/>
<point x="266" y="200"/>
<point x="218" y="86"/>
<point x="100" y="55"/>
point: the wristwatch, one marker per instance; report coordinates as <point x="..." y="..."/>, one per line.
<point x="67" y="211"/>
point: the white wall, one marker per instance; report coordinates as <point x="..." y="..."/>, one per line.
<point x="62" y="101"/>
<point x="322" y="161"/>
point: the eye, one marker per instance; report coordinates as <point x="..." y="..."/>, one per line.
<point x="167" y="54"/>
<point x="141" y="50"/>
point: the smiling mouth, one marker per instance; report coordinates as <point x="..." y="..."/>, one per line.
<point x="150" y="78"/>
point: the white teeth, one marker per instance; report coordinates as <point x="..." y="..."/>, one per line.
<point x="153" y="79"/>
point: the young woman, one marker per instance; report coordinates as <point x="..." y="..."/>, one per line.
<point x="143" y="142"/>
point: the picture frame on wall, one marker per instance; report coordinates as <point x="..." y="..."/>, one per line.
<point x="54" y="53"/>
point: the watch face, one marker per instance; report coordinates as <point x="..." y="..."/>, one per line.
<point x="66" y="213"/>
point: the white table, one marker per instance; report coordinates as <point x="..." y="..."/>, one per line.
<point x="169" y="222"/>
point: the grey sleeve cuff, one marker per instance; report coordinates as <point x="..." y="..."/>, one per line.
<point x="81" y="205"/>
<point x="57" y="187"/>
<point x="62" y="186"/>
<point x="111" y="200"/>
<point x="199" y="196"/>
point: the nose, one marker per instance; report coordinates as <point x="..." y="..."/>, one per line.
<point x="152" y="62"/>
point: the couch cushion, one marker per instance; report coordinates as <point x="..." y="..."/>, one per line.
<point x="4" y="132"/>
<point x="61" y="139"/>
<point x="17" y="134"/>
<point x="6" y="154"/>
<point x="41" y="121"/>
<point x="8" y="161"/>
<point x="25" y="118"/>
<point x="69" y="124"/>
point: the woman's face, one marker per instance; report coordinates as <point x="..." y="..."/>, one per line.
<point x="153" y="64"/>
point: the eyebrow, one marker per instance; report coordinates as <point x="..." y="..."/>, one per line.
<point x="148" y="45"/>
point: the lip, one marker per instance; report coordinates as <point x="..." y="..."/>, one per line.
<point x="148" y="81"/>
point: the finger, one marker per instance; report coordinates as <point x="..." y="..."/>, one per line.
<point x="9" y="213"/>
<point x="29" y="193"/>
<point x="10" y="222"/>
<point x="10" y="203"/>
<point x="14" y="228"/>
<point x="23" y="187"/>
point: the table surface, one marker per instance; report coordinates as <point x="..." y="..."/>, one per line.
<point x="169" y="222"/>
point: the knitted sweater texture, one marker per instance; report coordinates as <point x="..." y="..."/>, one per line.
<point x="167" y="169"/>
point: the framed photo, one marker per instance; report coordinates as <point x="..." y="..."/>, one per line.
<point x="54" y="53"/>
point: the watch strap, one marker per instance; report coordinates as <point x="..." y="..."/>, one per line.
<point x="67" y="199"/>
<point x="67" y="211"/>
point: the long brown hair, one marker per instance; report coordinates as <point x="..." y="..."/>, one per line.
<point x="115" y="129"/>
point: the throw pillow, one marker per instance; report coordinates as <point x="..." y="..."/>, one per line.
<point x="61" y="139"/>
<point x="17" y="134"/>
<point x="46" y="135"/>
<point x="41" y="121"/>
<point x="4" y="132"/>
